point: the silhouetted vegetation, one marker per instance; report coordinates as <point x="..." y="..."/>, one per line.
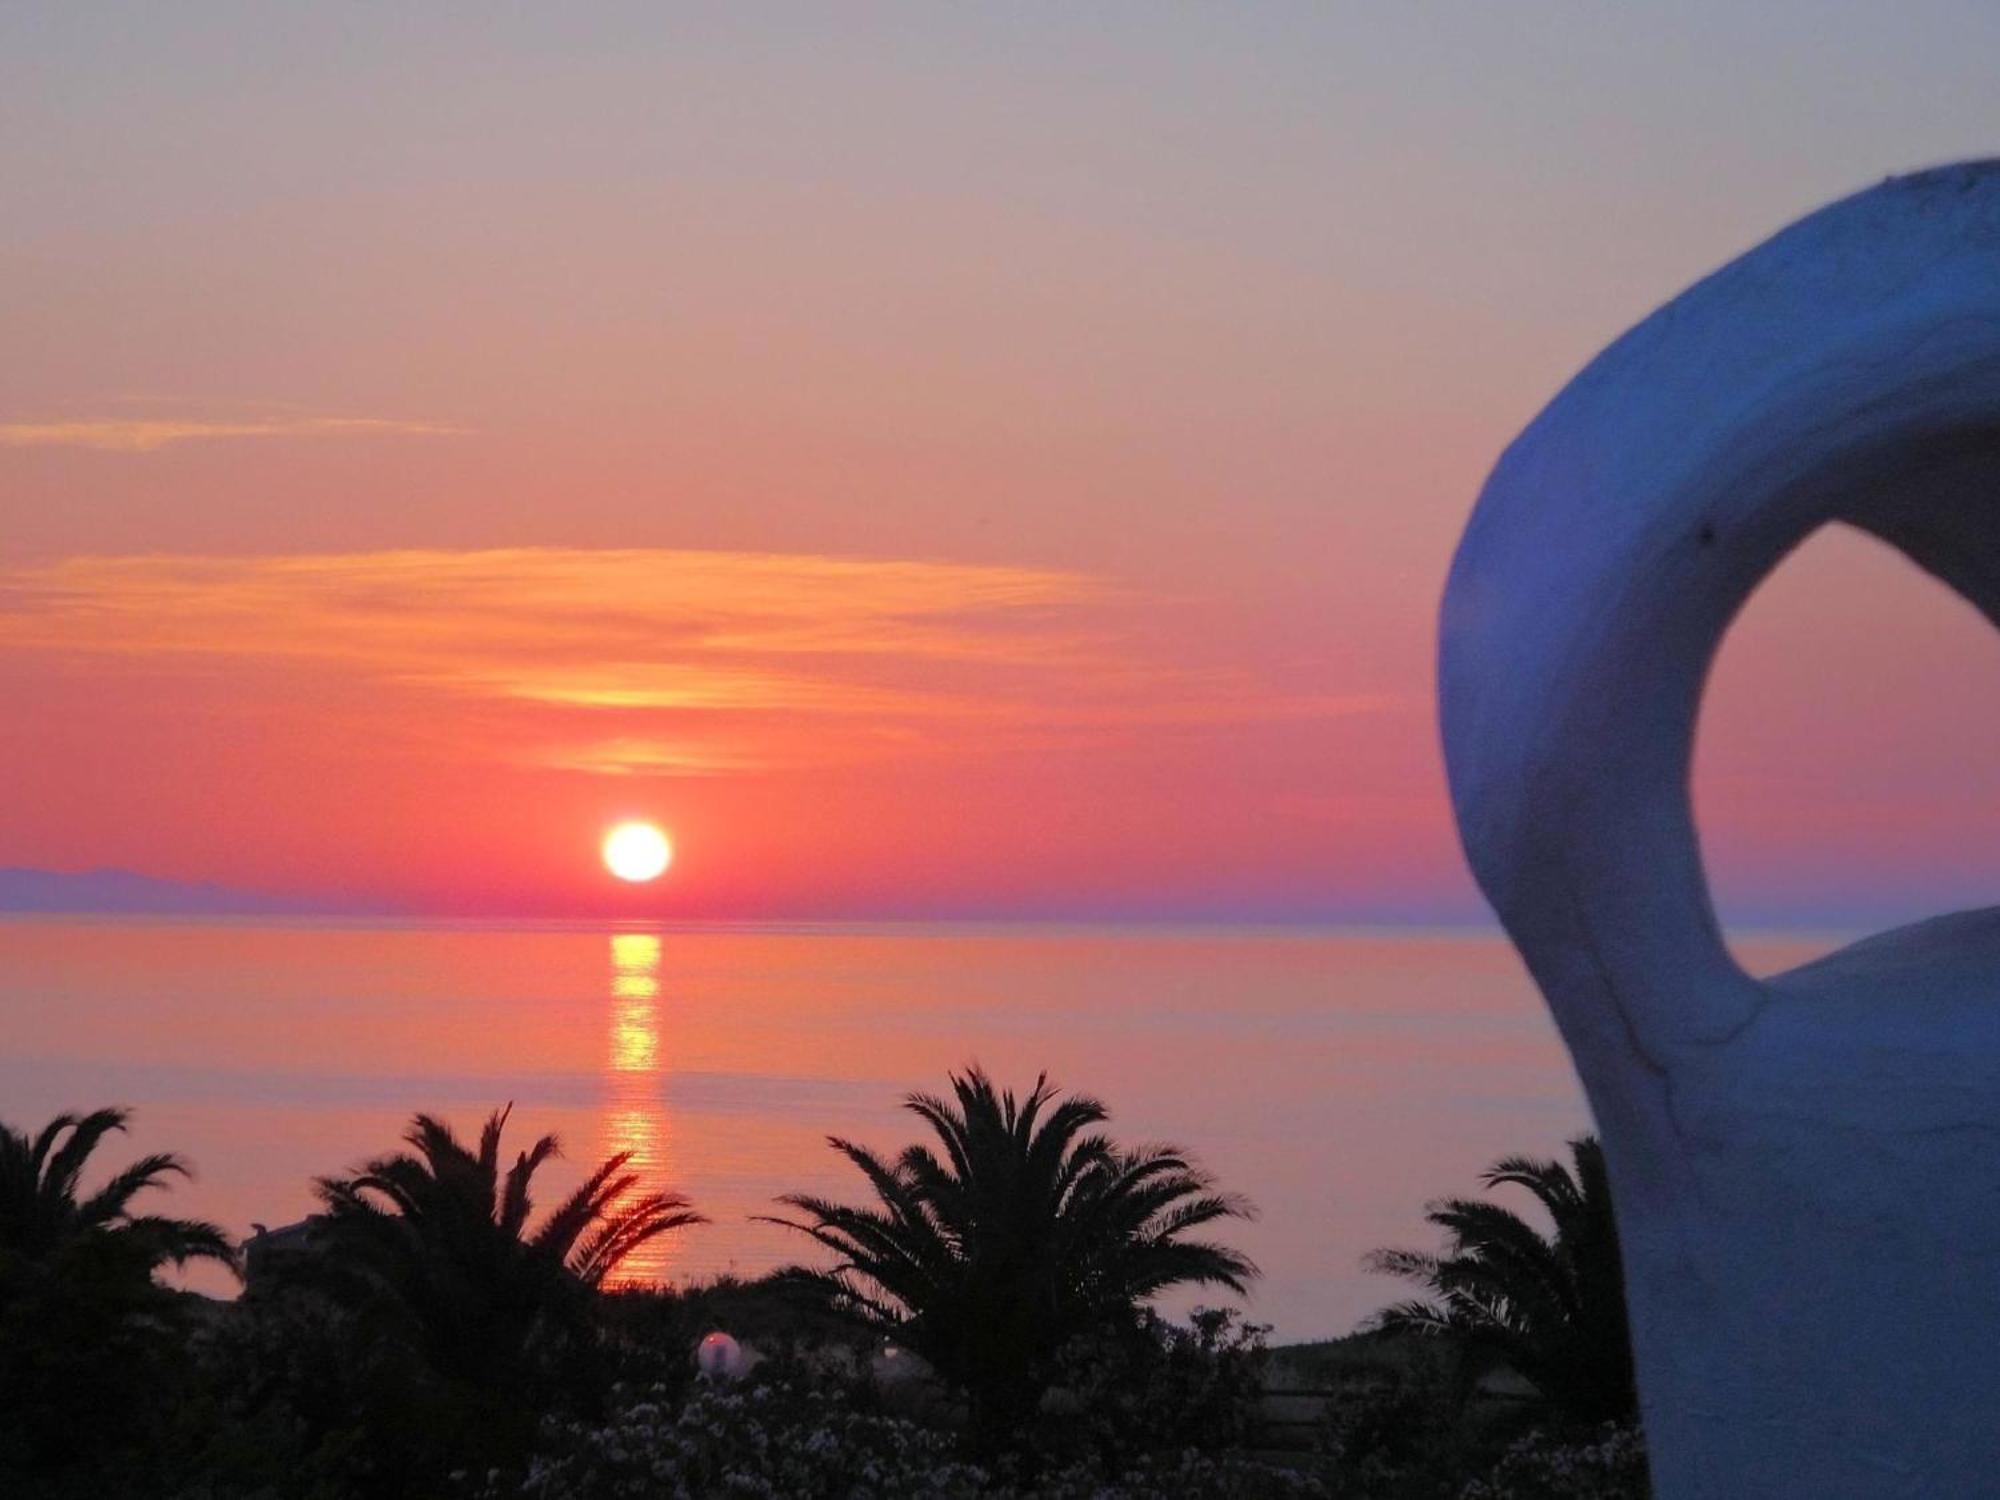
<point x="434" y="1243"/>
<point x="43" y="1224"/>
<point x="984" y="1333"/>
<point x="1550" y="1308"/>
<point x="86" y="1333"/>
<point x="1031" y="1230"/>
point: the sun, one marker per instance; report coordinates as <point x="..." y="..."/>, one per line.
<point x="637" y="852"/>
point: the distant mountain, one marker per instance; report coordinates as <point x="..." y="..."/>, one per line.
<point x="123" y="892"/>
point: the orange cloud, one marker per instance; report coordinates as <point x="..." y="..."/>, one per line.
<point x="148" y="435"/>
<point x="655" y="661"/>
<point x="633" y="756"/>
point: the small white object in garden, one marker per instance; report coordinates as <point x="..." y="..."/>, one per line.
<point x="719" y="1357"/>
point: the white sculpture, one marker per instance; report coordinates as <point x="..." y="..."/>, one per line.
<point x="1806" y="1169"/>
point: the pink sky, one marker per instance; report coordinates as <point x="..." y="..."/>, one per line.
<point x="936" y="466"/>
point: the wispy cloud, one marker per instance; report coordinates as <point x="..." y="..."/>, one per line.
<point x="619" y="627"/>
<point x="149" y="434"/>
<point x="657" y="661"/>
<point x="632" y="756"/>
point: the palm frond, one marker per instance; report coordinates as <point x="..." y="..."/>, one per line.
<point x="440" y="1238"/>
<point x="1022" y="1226"/>
<point x="112" y="1201"/>
<point x="1549" y="1305"/>
<point x="65" y="1165"/>
<point x="41" y="1219"/>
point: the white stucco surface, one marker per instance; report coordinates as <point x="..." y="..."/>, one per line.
<point x="1807" y="1169"/>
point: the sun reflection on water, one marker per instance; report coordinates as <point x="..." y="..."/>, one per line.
<point x="634" y="1119"/>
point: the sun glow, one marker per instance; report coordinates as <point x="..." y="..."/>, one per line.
<point x="637" y="852"/>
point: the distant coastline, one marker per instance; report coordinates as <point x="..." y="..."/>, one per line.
<point x="116" y="893"/>
<point x="126" y="893"/>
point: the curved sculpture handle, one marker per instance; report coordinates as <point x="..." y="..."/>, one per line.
<point x="1846" y="370"/>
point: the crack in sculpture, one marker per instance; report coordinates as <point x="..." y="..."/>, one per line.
<point x="1808" y="1193"/>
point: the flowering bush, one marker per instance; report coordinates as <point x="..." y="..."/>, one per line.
<point x="1189" y="1475"/>
<point x="782" y="1439"/>
<point x="1610" y="1465"/>
<point x="1399" y="1428"/>
<point x="762" y="1440"/>
<point x="1152" y="1386"/>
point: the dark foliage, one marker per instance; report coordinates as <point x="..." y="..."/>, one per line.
<point x="428" y="1337"/>
<point x="1399" y="1427"/>
<point x="1606" y="1463"/>
<point x="42" y="1218"/>
<point x="1030" y="1230"/>
<point x="1549" y="1307"/>
<point x="433" y="1246"/>
<point x="650" y="1333"/>
<point x="286" y="1397"/>
<point x="791" y="1433"/>
<point x="1149" y="1386"/>
<point x="88" y="1336"/>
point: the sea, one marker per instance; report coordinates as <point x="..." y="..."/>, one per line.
<point x="1337" y="1079"/>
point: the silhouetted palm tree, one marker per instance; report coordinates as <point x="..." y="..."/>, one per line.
<point x="1031" y="1230"/>
<point x="88" y="1336"/>
<point x="1551" y="1308"/>
<point x="442" y="1234"/>
<point x="43" y="1218"/>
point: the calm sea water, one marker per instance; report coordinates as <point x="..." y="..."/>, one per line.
<point x="1339" y="1079"/>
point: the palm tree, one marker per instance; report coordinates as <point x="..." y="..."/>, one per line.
<point x="1549" y="1307"/>
<point x="88" y="1336"/>
<point x="439" y="1234"/>
<point x="42" y="1219"/>
<point x="1032" y="1229"/>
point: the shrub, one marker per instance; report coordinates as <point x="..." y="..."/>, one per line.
<point x="289" y="1396"/>
<point x="796" y="1437"/>
<point x="1151" y="1386"/>
<point x="768" y="1439"/>
<point x="1607" y="1465"/>
<point x="1400" y="1428"/>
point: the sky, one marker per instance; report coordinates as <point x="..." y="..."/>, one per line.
<point x="936" y="462"/>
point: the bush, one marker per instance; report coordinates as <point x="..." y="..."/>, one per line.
<point x="290" y="1397"/>
<point x="769" y="1439"/>
<point x="795" y="1437"/>
<point x="1608" y="1465"/>
<point x="649" y="1333"/>
<point x="1189" y="1475"/>
<point x="1152" y="1386"/>
<point x="88" y="1344"/>
<point x="1400" y="1427"/>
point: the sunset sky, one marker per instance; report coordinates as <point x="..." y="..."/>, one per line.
<point x="932" y="463"/>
